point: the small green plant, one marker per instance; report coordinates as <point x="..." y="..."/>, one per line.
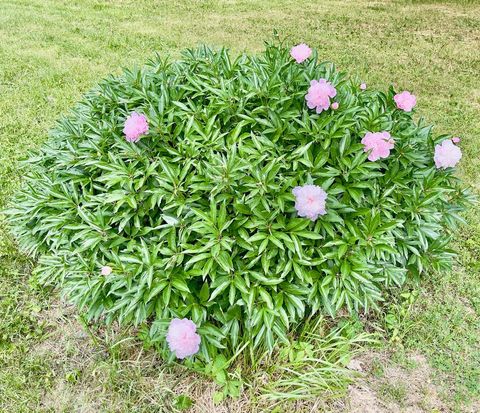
<point x="183" y="403"/>
<point x="73" y="376"/>
<point x="397" y="322"/>
<point x="396" y="392"/>
<point x="243" y="194"/>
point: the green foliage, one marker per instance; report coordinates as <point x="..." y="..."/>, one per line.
<point x="197" y="220"/>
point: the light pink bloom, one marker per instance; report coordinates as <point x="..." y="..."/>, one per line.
<point x="300" y="52"/>
<point x="136" y="125"/>
<point x="182" y="338"/>
<point x="405" y="101"/>
<point x="334" y="105"/>
<point x="379" y="143"/>
<point x="363" y="86"/>
<point x="310" y="201"/>
<point x="106" y="270"/>
<point x="456" y="140"/>
<point x="319" y="94"/>
<point x="447" y="154"/>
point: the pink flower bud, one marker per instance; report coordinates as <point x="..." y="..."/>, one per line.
<point x="106" y="270"/>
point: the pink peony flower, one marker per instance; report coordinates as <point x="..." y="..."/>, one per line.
<point x="319" y="94"/>
<point x="405" y="101"/>
<point x="447" y="154"/>
<point x="363" y="86"/>
<point x="300" y="52"/>
<point x="334" y="105"/>
<point x="106" y="270"/>
<point x="136" y="125"/>
<point x="310" y="201"/>
<point x="379" y="143"/>
<point x="456" y="140"/>
<point x="182" y="338"/>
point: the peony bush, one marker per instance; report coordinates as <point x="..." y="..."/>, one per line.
<point x="221" y="201"/>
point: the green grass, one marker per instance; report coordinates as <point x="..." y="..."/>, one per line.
<point x="446" y="320"/>
<point x="53" y="51"/>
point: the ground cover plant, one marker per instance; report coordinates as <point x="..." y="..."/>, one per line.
<point x="237" y="196"/>
<point x="53" y="51"/>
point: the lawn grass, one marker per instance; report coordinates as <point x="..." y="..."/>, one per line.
<point x="52" y="51"/>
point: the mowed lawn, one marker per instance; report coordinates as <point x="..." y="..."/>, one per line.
<point x="52" y="51"/>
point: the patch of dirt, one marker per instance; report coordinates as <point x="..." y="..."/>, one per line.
<point x="66" y="337"/>
<point x="70" y="351"/>
<point x="389" y="387"/>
